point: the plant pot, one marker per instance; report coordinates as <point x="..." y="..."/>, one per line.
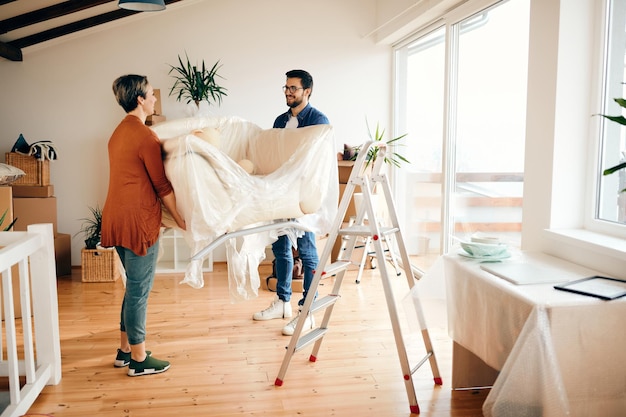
<point x="100" y="265"/>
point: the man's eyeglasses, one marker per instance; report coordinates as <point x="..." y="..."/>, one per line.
<point x="291" y="88"/>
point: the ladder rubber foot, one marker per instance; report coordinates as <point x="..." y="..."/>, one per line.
<point x="415" y="409"/>
<point x="438" y="381"/>
<point x="312" y="358"/>
<point x="278" y="382"/>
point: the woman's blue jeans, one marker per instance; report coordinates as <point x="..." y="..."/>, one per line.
<point x="284" y="264"/>
<point x="139" y="279"/>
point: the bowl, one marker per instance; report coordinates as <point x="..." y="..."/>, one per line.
<point x="483" y="238"/>
<point x="484" y="249"/>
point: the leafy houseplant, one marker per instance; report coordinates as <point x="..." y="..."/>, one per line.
<point x="621" y="120"/>
<point x="391" y="157"/>
<point x="97" y="264"/>
<point x="92" y="227"/>
<point x="195" y="83"/>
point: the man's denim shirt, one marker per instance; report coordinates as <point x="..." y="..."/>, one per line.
<point x="307" y="117"/>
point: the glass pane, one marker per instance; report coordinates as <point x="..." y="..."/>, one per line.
<point x="490" y="122"/>
<point x="611" y="202"/>
<point x="420" y="181"/>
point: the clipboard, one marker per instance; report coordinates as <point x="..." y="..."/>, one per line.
<point x="604" y="288"/>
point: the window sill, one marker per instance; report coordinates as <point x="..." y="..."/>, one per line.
<point x="591" y="241"/>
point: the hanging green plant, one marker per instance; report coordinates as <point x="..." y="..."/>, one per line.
<point x="193" y="83"/>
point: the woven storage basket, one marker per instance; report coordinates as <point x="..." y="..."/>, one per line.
<point x="100" y="265"/>
<point x="37" y="172"/>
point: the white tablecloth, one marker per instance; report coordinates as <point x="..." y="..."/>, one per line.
<point x="558" y="353"/>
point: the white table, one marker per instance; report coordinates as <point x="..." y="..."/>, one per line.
<point x="550" y="352"/>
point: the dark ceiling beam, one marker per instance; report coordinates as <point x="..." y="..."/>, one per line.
<point x="47" y="13"/>
<point x="87" y="23"/>
<point x="10" y="52"/>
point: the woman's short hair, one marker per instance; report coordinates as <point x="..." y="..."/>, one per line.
<point x="128" y="88"/>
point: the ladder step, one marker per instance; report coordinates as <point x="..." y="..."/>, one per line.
<point x="324" y="302"/>
<point x="337" y="266"/>
<point x="364" y="230"/>
<point x="421" y="362"/>
<point x="310" y="337"/>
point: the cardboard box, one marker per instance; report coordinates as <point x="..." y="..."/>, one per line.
<point x="6" y="205"/>
<point x="63" y="254"/>
<point x="41" y="191"/>
<point x="296" y="285"/>
<point x="154" y="119"/>
<point x="351" y="211"/>
<point x="157" y="105"/>
<point x="33" y="211"/>
<point x="345" y="169"/>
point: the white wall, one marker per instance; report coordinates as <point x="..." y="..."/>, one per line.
<point x="62" y="90"/>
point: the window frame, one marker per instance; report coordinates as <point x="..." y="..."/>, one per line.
<point x="602" y="99"/>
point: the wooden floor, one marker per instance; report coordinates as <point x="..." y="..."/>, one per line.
<point x="224" y="363"/>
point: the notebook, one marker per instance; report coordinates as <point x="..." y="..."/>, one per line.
<point x="526" y="273"/>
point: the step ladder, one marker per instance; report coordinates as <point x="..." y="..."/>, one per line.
<point x="365" y="176"/>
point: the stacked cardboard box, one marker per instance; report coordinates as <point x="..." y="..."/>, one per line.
<point x="344" y="169"/>
<point x="157" y="117"/>
<point x="32" y="204"/>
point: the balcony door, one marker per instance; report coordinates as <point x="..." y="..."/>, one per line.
<point x="461" y="97"/>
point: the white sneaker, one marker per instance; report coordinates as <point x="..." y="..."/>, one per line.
<point x="279" y="309"/>
<point x="309" y="323"/>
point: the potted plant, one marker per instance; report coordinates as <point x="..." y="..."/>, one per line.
<point x="196" y="84"/>
<point x="391" y="157"/>
<point x="97" y="264"/>
<point x="92" y="227"/>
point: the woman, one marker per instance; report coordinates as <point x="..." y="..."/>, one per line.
<point x="131" y="217"/>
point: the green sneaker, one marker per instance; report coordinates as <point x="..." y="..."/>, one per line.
<point x="149" y="366"/>
<point x="123" y="359"/>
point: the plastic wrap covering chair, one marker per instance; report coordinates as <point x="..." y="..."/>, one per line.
<point x="229" y="175"/>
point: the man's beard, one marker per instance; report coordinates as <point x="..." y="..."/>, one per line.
<point x="295" y="103"/>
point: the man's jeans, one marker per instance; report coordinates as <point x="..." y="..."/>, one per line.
<point x="284" y="264"/>
<point x="139" y="279"/>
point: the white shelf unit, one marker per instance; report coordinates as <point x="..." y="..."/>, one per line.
<point x="175" y="253"/>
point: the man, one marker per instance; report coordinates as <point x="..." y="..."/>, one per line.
<point x="298" y="89"/>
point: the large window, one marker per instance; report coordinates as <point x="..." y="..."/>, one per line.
<point x="611" y="203"/>
<point x="461" y="97"/>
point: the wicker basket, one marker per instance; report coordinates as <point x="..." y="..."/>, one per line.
<point x="37" y="172"/>
<point x="100" y="265"/>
